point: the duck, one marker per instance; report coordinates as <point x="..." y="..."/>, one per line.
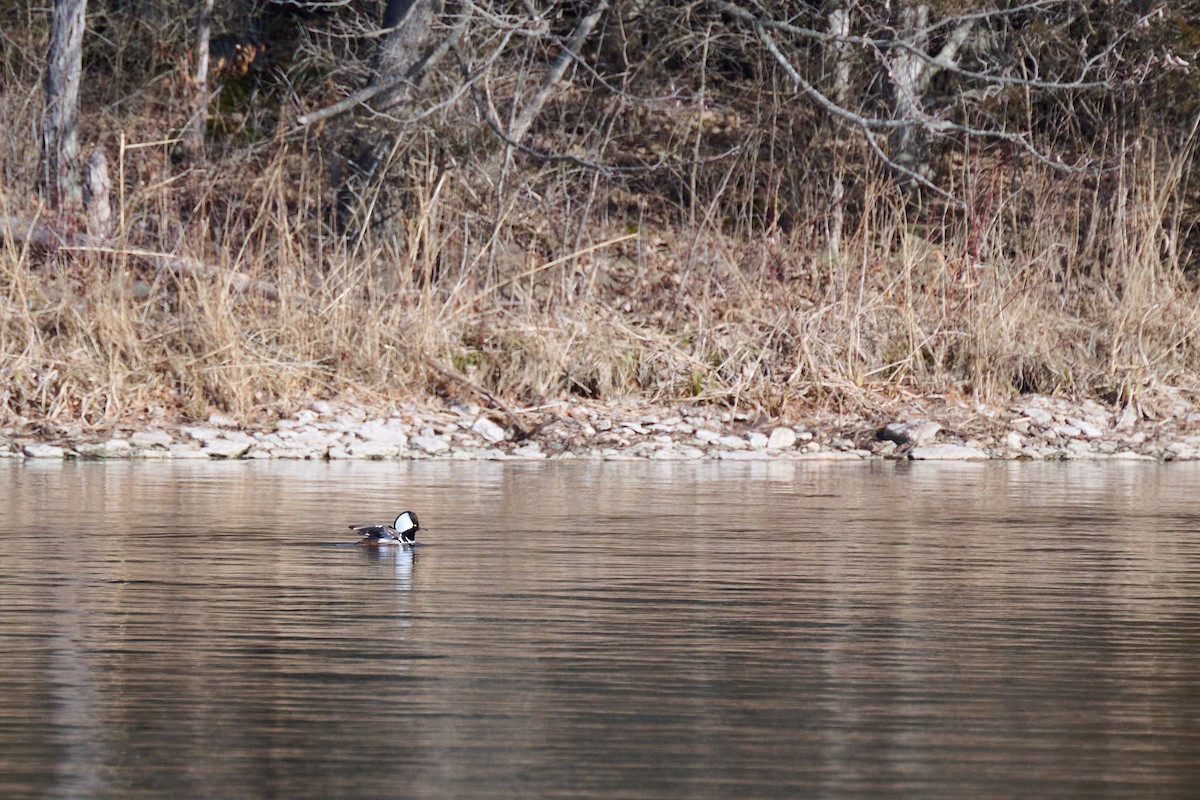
<point x="403" y="531"/>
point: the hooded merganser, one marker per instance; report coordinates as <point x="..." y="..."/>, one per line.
<point x="403" y="531"/>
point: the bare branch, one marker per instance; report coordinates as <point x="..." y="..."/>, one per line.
<point x="525" y="119"/>
<point x="43" y="236"/>
<point x="364" y="95"/>
<point x="891" y="43"/>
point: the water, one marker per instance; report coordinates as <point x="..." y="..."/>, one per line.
<point x="600" y="630"/>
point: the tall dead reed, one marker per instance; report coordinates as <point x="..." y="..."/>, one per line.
<point x="228" y="285"/>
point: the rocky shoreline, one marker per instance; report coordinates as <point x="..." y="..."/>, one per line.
<point x="1037" y="428"/>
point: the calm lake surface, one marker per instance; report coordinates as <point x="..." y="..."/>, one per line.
<point x="616" y="630"/>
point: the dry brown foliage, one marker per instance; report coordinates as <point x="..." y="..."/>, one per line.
<point x="709" y="278"/>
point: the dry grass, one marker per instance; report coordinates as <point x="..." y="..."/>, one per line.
<point x="536" y="281"/>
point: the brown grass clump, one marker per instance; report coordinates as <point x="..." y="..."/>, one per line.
<point x="227" y="286"/>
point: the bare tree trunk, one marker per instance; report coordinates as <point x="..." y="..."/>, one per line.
<point x="408" y="23"/>
<point x="60" y="142"/>
<point x="97" y="195"/>
<point x="199" y="121"/>
<point x="839" y="26"/>
<point x="911" y="74"/>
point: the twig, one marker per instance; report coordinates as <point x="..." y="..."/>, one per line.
<point x="42" y="235"/>
<point x="362" y="96"/>
<point x="521" y="432"/>
<point x="570" y="47"/>
<point x="560" y="260"/>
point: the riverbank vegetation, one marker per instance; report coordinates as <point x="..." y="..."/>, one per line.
<point x="770" y="205"/>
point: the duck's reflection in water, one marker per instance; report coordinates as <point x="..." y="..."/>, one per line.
<point x="403" y="557"/>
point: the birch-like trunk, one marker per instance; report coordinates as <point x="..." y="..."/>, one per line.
<point x="912" y="69"/>
<point x="199" y="122"/>
<point x="839" y="26"/>
<point x="909" y="145"/>
<point x="60" y="140"/>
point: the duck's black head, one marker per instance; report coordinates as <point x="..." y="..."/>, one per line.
<point x="406" y="526"/>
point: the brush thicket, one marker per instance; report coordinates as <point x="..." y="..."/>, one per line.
<point x="715" y="280"/>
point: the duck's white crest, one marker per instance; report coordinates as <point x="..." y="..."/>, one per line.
<point x="406" y="522"/>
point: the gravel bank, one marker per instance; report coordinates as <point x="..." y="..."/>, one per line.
<point x="1037" y="428"/>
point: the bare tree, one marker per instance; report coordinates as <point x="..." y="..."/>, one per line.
<point x="195" y="132"/>
<point x="407" y="25"/>
<point x="914" y="46"/>
<point x="60" y="140"/>
<point x="911" y="69"/>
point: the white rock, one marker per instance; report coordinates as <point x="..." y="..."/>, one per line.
<point x="151" y="438"/>
<point x="742" y="455"/>
<point x="384" y="433"/>
<point x="489" y="430"/>
<point x="371" y="449"/>
<point x="200" y="434"/>
<point x="707" y="436"/>
<point x="946" y="452"/>
<point x="185" y="451"/>
<point x="1128" y="417"/>
<point x="430" y="444"/>
<point x="531" y="450"/>
<point x="732" y="442"/>
<point x="322" y="407"/>
<point x="222" y="421"/>
<point x="917" y="432"/>
<point x="757" y="440"/>
<point x="1069" y="431"/>
<point x="1078" y="448"/>
<point x="1014" y="441"/>
<point x="1086" y="428"/>
<point x="1039" y="415"/>
<point x="89" y="449"/>
<point x="603" y="425"/>
<point x="297" y="454"/>
<point x="828" y="455"/>
<point x="781" y="439"/>
<point x="43" y="451"/>
<point x="225" y="448"/>
<point x="114" y="448"/>
<point x="307" y="416"/>
<point x="1182" y="451"/>
<point x="316" y="439"/>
